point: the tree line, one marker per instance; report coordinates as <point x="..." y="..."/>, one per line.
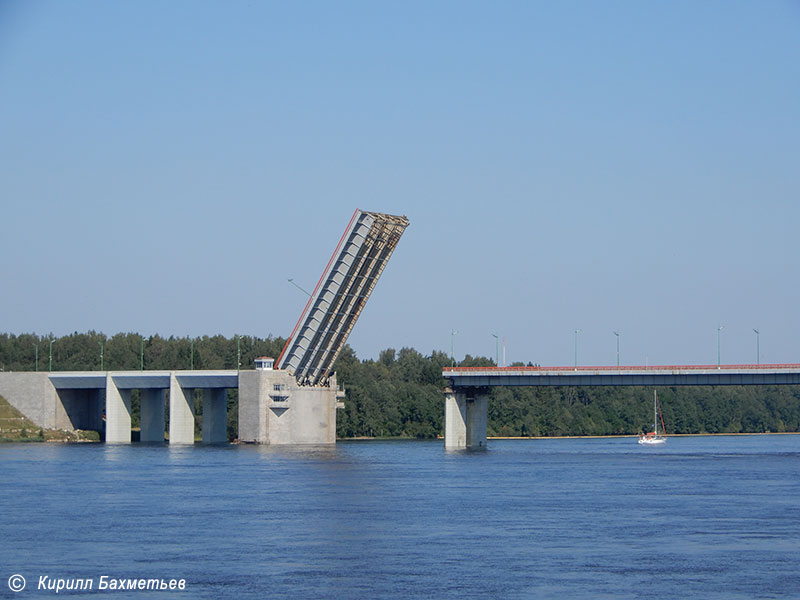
<point x="401" y="393"/>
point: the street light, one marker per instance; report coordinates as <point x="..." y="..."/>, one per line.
<point x="758" y="346"/>
<point x="298" y="287"/>
<point x="191" y="360"/>
<point x="616" y="333"/>
<point x="141" y="355"/>
<point x="101" y="356"/>
<point x="238" y="353"/>
<point x="51" y="354"/>
<point x="496" y="350"/>
<point x="720" y="328"/>
<point x="37" y="355"/>
<point x="577" y="331"/>
<point x="453" y="333"/>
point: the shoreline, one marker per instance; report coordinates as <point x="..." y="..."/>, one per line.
<point x="633" y="435"/>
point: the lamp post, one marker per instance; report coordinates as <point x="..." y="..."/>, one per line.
<point x="496" y="350"/>
<point x="453" y="333"/>
<point x="238" y="353"/>
<point x="616" y="333"/>
<point x="37" y="356"/>
<point x="758" y="346"/>
<point x="51" y="354"/>
<point x="577" y="331"/>
<point x="141" y="355"/>
<point x="191" y="359"/>
<point x="298" y="287"/>
<point x="101" y="356"/>
<point x="720" y="328"/>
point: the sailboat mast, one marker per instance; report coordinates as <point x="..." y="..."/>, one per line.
<point x="655" y="411"/>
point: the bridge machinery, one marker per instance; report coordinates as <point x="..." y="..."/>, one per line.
<point x="293" y="400"/>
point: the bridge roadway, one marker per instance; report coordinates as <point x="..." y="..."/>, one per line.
<point x="777" y="374"/>
<point x="466" y="399"/>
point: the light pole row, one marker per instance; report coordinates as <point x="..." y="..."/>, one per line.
<point x="719" y="346"/>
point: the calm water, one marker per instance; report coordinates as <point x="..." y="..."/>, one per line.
<point x="711" y="517"/>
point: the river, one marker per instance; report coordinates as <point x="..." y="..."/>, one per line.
<point x="701" y="517"/>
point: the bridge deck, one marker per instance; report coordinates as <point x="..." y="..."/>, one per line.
<point x="143" y="380"/>
<point x="341" y="293"/>
<point x="669" y="375"/>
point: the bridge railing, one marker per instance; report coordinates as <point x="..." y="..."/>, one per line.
<point x="617" y="369"/>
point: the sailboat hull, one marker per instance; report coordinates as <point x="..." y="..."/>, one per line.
<point x="652" y="441"/>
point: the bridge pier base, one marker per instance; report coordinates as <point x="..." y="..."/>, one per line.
<point x="152" y="415"/>
<point x="181" y="413"/>
<point x="465" y="417"/>
<point x="215" y="416"/>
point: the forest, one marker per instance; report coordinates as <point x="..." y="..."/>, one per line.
<point x="401" y="393"/>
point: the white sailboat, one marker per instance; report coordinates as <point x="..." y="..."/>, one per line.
<point x="653" y="438"/>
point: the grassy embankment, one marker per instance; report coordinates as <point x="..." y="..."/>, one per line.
<point x="15" y="427"/>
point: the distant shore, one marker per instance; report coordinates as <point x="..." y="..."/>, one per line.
<point x="626" y="435"/>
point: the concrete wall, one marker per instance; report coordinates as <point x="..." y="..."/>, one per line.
<point x="252" y="407"/>
<point x="34" y="396"/>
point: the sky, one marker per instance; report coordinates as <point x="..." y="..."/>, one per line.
<point x="629" y="166"/>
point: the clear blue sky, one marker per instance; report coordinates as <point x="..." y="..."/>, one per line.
<point x="165" y="167"/>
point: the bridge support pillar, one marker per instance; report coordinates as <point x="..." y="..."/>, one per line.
<point x="215" y="416"/>
<point x="465" y="416"/>
<point x="152" y="415"/>
<point x="181" y="413"/>
<point x="455" y="419"/>
<point x="118" y="413"/>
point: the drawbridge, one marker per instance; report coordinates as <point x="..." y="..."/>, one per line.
<point x="340" y="295"/>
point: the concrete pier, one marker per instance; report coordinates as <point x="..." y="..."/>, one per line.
<point x="215" y="416"/>
<point x="181" y="413"/>
<point x="465" y="417"/>
<point x="118" y="413"/>
<point x="152" y="415"/>
<point x="455" y="419"/>
<point x="477" y="418"/>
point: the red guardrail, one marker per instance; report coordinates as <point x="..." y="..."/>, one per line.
<point x="616" y="369"/>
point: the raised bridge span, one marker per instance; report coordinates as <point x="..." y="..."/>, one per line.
<point x="466" y="398"/>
